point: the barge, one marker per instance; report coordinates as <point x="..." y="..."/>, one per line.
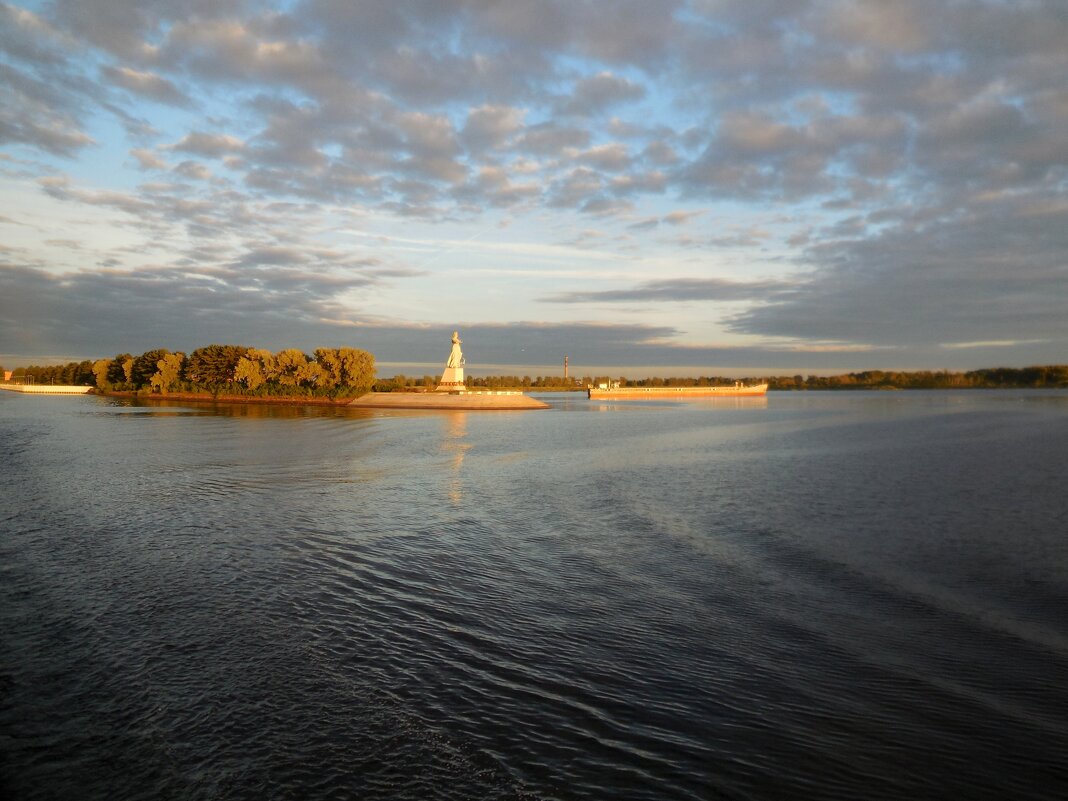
<point x="614" y="391"/>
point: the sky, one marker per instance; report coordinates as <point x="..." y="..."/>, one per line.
<point x="707" y="187"/>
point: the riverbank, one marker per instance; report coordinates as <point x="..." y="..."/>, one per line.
<point x="371" y="400"/>
<point x="207" y="397"/>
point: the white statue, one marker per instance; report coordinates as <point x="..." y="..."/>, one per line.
<point x="456" y="356"/>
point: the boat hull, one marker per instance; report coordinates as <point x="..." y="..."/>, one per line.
<point x="660" y="393"/>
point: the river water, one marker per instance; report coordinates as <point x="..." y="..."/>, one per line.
<point x="812" y="595"/>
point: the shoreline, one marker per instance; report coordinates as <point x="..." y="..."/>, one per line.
<point x="194" y="397"/>
<point x="371" y="400"/>
<point x="456" y="401"/>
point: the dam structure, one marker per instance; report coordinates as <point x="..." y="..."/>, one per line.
<point x="46" y="389"/>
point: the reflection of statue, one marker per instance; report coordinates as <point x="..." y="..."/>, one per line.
<point x="456" y="356"/>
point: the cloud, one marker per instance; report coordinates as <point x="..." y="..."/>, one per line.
<point x="29" y="38"/>
<point x="209" y="145"/>
<point x="242" y="50"/>
<point x="170" y="306"/>
<point x="488" y="127"/>
<point x="682" y="217"/>
<point x="493" y="186"/>
<point x="146" y="84"/>
<point x="680" y="290"/>
<point x="610" y="157"/>
<point x="894" y="27"/>
<point x="147" y="160"/>
<point x="596" y="93"/>
<point x="998" y="272"/>
<point x="33" y="112"/>
<point x="193" y="169"/>
<point x="552" y="140"/>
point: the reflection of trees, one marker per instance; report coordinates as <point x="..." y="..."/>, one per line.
<point x="247" y="410"/>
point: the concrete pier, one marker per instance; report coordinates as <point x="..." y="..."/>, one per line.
<point x="471" y="401"/>
<point x="46" y="389"/>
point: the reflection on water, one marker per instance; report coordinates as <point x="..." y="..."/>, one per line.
<point x="249" y="410"/>
<point x="709" y="404"/>
<point x="452" y="443"/>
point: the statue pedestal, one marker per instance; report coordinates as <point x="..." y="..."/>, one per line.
<point x="452" y="380"/>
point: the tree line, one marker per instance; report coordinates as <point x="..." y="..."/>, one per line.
<point x="340" y="372"/>
<point x="1039" y="376"/>
<point x="220" y="369"/>
<point x="1048" y="376"/>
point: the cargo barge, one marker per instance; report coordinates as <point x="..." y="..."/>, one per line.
<point x="614" y="391"/>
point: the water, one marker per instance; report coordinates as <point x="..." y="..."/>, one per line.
<point x="820" y="596"/>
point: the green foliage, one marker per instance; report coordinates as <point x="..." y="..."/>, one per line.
<point x="345" y="370"/>
<point x="255" y="368"/>
<point x="294" y="369"/>
<point x="229" y="369"/>
<point x="992" y="378"/>
<point x="995" y="378"/>
<point x="214" y="367"/>
<point x="168" y="372"/>
<point x="100" y="373"/>
<point x="144" y="367"/>
<point x="116" y="373"/>
<point x="70" y="374"/>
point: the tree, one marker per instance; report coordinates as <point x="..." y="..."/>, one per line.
<point x="100" y="372"/>
<point x="82" y="373"/>
<point x="168" y="371"/>
<point x="346" y="370"/>
<point x="115" y="371"/>
<point x="294" y="369"/>
<point x="214" y="366"/>
<point x="144" y="367"/>
<point x="255" y="368"/>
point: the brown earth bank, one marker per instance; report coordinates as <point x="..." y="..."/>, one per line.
<point x="207" y="397"/>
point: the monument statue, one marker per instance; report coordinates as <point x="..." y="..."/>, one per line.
<point x="456" y="356"/>
<point x="452" y="379"/>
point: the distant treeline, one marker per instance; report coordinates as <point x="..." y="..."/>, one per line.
<point x="991" y="378"/>
<point x="341" y="372"/>
<point x="1055" y="375"/>
<point x="221" y="369"/>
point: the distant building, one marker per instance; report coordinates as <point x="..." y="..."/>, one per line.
<point x="7" y="374"/>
